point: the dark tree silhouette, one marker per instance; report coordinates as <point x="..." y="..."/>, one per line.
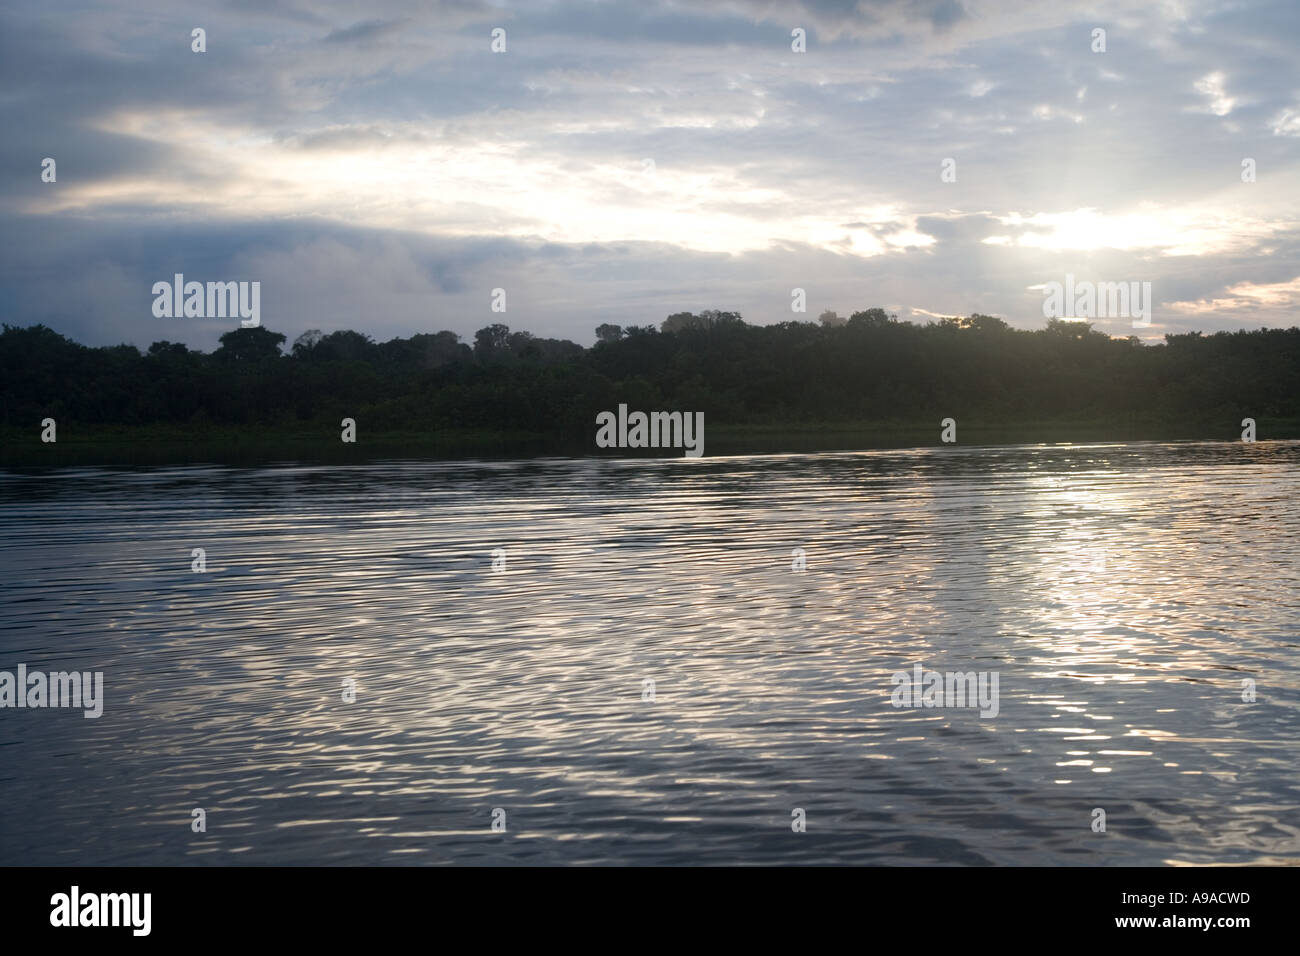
<point x="870" y="369"/>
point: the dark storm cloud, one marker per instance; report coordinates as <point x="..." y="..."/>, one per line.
<point x="364" y="31"/>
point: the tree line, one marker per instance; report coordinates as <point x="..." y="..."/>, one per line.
<point x="866" y="368"/>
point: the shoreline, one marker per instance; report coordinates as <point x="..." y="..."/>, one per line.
<point x="151" y="445"/>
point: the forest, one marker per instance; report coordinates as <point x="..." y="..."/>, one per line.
<point x="868" y="368"/>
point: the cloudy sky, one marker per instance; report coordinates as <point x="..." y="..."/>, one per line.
<point x="377" y="166"/>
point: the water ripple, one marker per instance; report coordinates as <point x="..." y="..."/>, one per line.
<point x="1122" y="593"/>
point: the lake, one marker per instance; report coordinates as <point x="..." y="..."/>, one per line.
<point x="661" y="661"/>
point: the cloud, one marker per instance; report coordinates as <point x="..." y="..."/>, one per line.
<point x="1218" y="102"/>
<point x="387" y="173"/>
<point x="364" y="31"/>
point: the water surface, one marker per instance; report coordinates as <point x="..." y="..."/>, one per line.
<point x="1122" y="593"/>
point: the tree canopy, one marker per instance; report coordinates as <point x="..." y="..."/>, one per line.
<point x="868" y="368"/>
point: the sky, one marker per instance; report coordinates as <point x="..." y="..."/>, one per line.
<point x="378" y="166"/>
